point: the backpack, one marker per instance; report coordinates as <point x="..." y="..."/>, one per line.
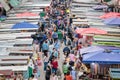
<point x="51" y="41"/>
<point x="55" y="35"/>
<point x="69" y="42"/>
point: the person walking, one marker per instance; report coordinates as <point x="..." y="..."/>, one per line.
<point x="55" y="36"/>
<point x="54" y="76"/>
<point x="65" y="68"/>
<point x="57" y="45"/>
<point x="54" y="65"/>
<point x="48" y="73"/>
<point x="68" y="76"/>
<point x="45" y="47"/>
<point x="33" y="78"/>
<point x="55" y="53"/>
<point x="45" y="60"/>
<point x="73" y="74"/>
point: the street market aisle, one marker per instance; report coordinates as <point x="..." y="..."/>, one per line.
<point x="60" y="60"/>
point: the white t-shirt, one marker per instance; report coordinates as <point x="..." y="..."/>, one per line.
<point x="46" y="59"/>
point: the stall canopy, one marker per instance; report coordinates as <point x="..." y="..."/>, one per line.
<point x="26" y="14"/>
<point x="6" y="72"/>
<point x="4" y="5"/>
<point x="91" y="49"/>
<point x="102" y="57"/>
<point x="24" y="25"/>
<point x="109" y="15"/>
<point x="83" y="31"/>
<point x="14" y="3"/>
<point x="110" y="47"/>
<point x="99" y="7"/>
<point x="112" y="21"/>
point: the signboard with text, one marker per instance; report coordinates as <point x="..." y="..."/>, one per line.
<point x="115" y="73"/>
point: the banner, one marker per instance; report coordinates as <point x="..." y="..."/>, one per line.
<point x="115" y="73"/>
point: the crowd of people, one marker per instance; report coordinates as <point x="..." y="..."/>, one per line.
<point x="55" y="33"/>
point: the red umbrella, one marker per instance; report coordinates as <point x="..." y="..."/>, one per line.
<point x="27" y="14"/>
<point x="111" y="14"/>
<point x="84" y="31"/>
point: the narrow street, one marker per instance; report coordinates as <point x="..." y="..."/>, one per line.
<point x="60" y="39"/>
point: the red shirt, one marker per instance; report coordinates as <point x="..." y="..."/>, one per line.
<point x="54" y="64"/>
<point x="68" y="77"/>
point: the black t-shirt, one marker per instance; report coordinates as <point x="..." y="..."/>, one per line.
<point x="71" y="20"/>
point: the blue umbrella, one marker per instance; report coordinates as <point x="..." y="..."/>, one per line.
<point x="109" y="47"/>
<point x="91" y="49"/>
<point x="112" y="21"/>
<point x="24" y="25"/>
<point x="100" y="7"/>
<point x="102" y="57"/>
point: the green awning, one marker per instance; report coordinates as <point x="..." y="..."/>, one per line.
<point x="14" y="3"/>
<point x="117" y="44"/>
<point x="107" y="0"/>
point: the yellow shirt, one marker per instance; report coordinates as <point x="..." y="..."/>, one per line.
<point x="67" y="11"/>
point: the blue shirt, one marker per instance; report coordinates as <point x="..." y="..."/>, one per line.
<point x="74" y="74"/>
<point x="55" y="54"/>
<point x="55" y="35"/>
<point x="44" y="37"/>
<point x="45" y="46"/>
<point x="57" y="45"/>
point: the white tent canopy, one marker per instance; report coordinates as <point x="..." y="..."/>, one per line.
<point x="14" y="68"/>
<point x="14" y="57"/>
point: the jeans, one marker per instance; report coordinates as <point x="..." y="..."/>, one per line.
<point x="54" y="70"/>
<point x="45" y="65"/>
<point x="65" y="41"/>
